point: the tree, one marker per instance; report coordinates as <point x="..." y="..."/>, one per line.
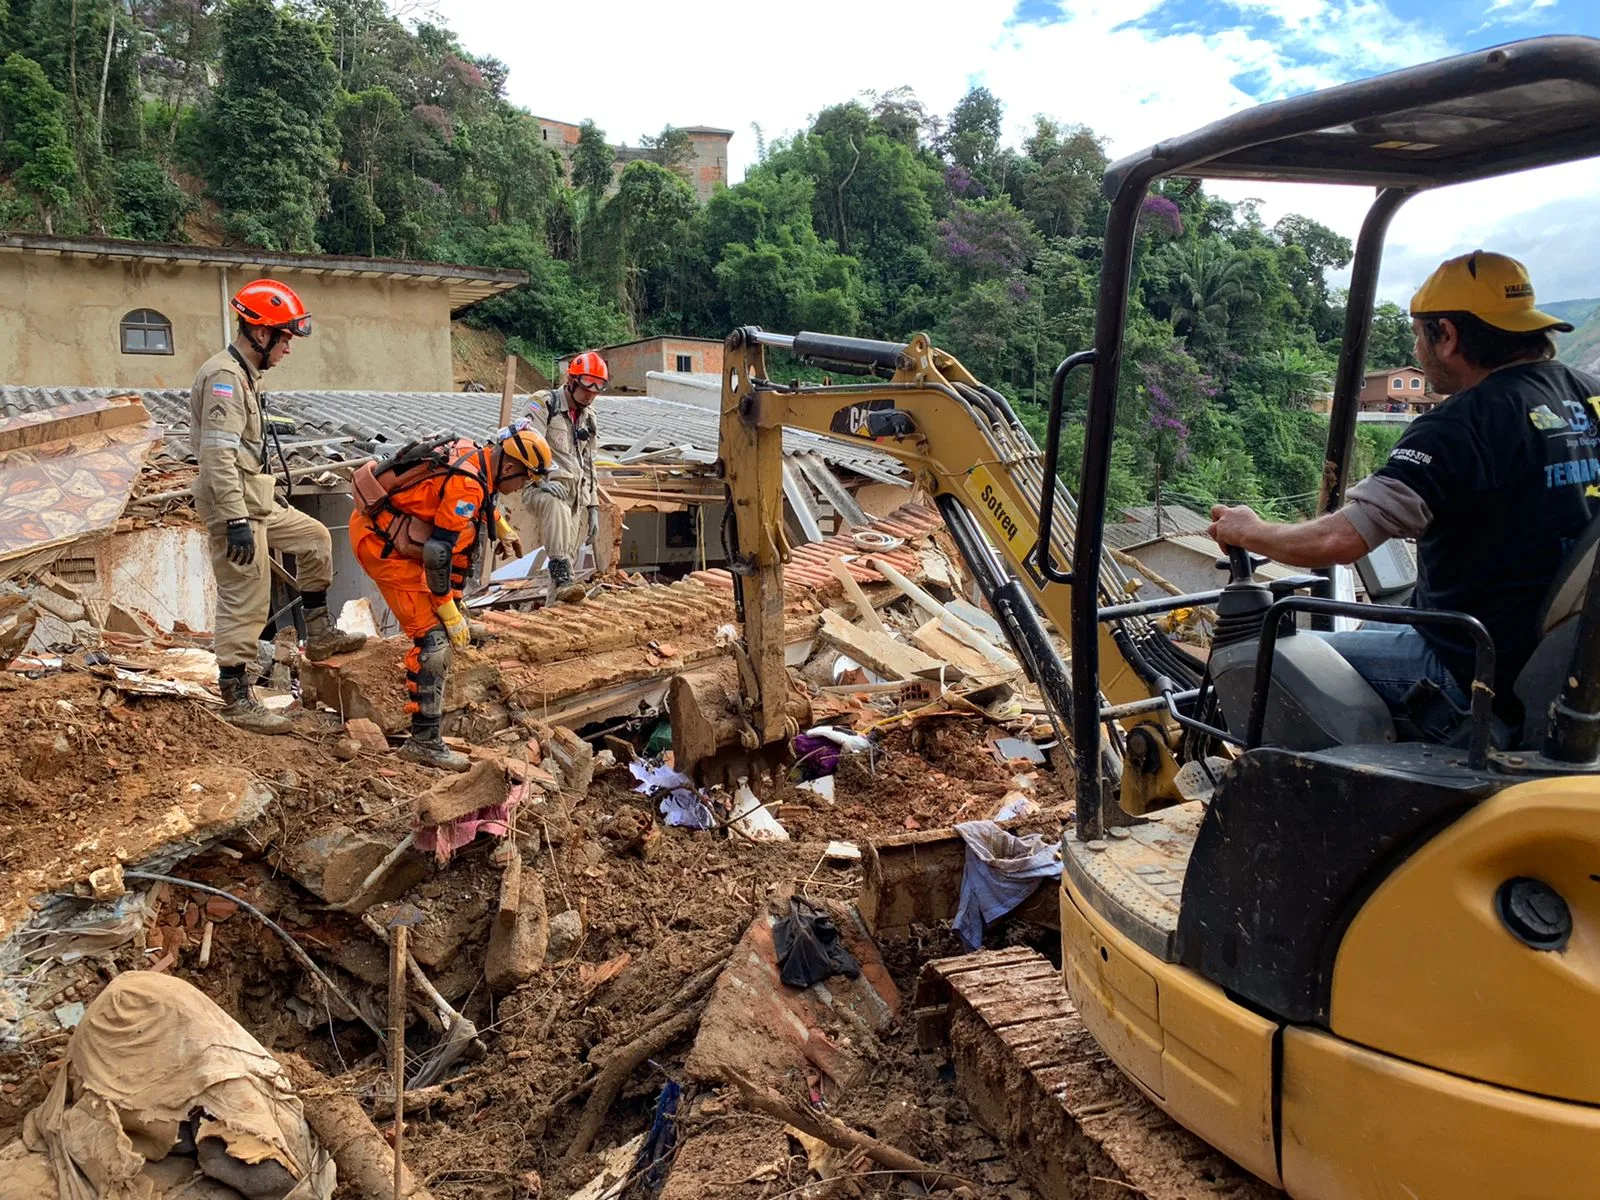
<point x="645" y="228"/>
<point x="150" y="206"/>
<point x="1295" y="376"/>
<point x="971" y="138"/>
<point x="592" y="159"/>
<point x="987" y="240"/>
<point x="1063" y="185"/>
<point x="899" y="115"/>
<point x="34" y="145"/>
<point x="1207" y="281"/>
<point x="671" y="148"/>
<point x="269" y="135"/>
<point x="1392" y="342"/>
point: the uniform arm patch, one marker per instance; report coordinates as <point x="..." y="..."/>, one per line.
<point x="465" y="508"/>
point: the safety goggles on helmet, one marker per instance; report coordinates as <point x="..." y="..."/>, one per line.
<point x="590" y="383"/>
<point x="299" y="327"/>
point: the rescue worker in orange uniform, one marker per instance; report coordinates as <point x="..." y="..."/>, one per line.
<point x="234" y="496"/>
<point x="457" y="502"/>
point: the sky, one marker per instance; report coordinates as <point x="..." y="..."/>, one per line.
<point x="1135" y="71"/>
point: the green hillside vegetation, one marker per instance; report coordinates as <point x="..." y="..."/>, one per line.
<point x="1575" y="311"/>
<point x="1581" y="347"/>
<point x="330" y="125"/>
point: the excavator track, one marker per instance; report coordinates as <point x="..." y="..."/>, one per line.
<point x="1034" y="1078"/>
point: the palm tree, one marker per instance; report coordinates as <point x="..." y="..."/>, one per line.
<point x="1298" y="376"/>
<point x="1210" y="282"/>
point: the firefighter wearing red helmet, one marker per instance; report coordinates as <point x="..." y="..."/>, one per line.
<point x="234" y="496"/>
<point x="565" y="506"/>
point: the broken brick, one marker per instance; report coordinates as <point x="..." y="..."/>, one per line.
<point x="367" y="734"/>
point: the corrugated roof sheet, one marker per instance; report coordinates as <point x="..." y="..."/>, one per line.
<point x="1138" y="524"/>
<point x="393" y="418"/>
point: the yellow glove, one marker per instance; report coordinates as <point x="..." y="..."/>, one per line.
<point x="506" y="535"/>
<point x="455" y="625"/>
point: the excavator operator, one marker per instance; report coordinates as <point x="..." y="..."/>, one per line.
<point x="1496" y="484"/>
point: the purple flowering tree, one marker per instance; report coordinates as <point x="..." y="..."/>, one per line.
<point x="987" y="240"/>
<point x="1159" y="215"/>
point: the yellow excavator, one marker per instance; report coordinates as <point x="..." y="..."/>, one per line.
<point x="1359" y="962"/>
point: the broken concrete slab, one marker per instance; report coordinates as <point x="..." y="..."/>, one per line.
<point x="481" y="786"/>
<point x="370" y="684"/>
<point x="367" y="735"/>
<point x="758" y="1027"/>
<point x="519" y="939"/>
<point x="567" y="757"/>
<point x="338" y="861"/>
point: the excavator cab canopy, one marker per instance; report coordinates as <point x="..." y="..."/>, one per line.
<point x="1511" y="108"/>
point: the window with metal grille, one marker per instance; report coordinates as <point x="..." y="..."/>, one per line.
<point x="1397" y="384"/>
<point x="145" y="331"/>
<point x="685" y="363"/>
<point x="1416" y="384"/>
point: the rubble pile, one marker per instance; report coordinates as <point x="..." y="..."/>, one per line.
<point x="594" y="966"/>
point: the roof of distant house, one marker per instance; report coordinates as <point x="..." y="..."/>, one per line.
<point x="1392" y="370"/>
<point x="468" y="285"/>
<point x="1136" y="524"/>
<point x="658" y="337"/>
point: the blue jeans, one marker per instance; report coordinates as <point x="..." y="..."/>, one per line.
<point x="1392" y="659"/>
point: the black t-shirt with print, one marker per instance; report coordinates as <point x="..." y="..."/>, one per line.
<point x="1510" y="470"/>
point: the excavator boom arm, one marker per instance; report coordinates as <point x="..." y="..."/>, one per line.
<point x="966" y="449"/>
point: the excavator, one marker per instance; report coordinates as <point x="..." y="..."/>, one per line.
<point x="1359" y="958"/>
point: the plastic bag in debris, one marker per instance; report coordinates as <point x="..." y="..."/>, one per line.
<point x="1002" y="870"/>
<point x="752" y="819"/>
<point x="809" y="947"/>
<point x="653" y="779"/>
<point x="655" y="1156"/>
<point x="120" y="1124"/>
<point x="96" y="930"/>
<point x="684" y="808"/>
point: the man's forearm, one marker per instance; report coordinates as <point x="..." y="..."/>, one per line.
<point x="1328" y="541"/>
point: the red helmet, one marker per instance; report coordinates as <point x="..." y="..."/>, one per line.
<point x="268" y="304"/>
<point x="589" y="370"/>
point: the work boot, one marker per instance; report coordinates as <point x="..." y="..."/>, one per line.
<point x="425" y="746"/>
<point x="324" y="639"/>
<point x="242" y="710"/>
<point x="562" y="588"/>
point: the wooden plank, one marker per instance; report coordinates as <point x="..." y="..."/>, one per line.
<point x="877" y="651"/>
<point x="865" y="613"/>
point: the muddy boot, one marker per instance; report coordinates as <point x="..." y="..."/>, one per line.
<point x="242" y="710"/>
<point x="431" y="657"/>
<point x="425" y="746"/>
<point x="562" y="588"/>
<point x="324" y="639"/>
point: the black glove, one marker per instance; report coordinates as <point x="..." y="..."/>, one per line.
<point x="241" y="543"/>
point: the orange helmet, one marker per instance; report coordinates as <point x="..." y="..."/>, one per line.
<point x="528" y="448"/>
<point x="268" y="304"/>
<point x="589" y="370"/>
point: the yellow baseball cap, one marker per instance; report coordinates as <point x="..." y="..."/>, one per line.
<point x="1492" y="287"/>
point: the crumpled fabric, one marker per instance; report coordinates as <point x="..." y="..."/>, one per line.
<point x="683" y="806"/>
<point x="809" y="948"/>
<point x="497" y="820"/>
<point x="655" y="1156"/>
<point x="149" y="1052"/>
<point x="1002" y="870"/>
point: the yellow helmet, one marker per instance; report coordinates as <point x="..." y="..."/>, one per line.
<point x="528" y="448"/>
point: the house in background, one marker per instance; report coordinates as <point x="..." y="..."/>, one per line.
<point x="99" y="312"/>
<point x="705" y="171"/>
<point x="1398" y="390"/>
<point x="631" y="363"/>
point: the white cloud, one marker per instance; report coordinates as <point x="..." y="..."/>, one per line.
<point x="635" y="66"/>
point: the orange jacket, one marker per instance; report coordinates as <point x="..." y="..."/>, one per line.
<point x="453" y="502"/>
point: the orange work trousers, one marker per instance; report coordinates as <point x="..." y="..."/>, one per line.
<point x="404" y="587"/>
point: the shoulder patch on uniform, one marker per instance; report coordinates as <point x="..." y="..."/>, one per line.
<point x="465" y="508"/>
<point x="216" y="412"/>
<point x="220" y="388"/>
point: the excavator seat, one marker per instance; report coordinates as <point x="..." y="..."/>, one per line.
<point x="1539" y="682"/>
